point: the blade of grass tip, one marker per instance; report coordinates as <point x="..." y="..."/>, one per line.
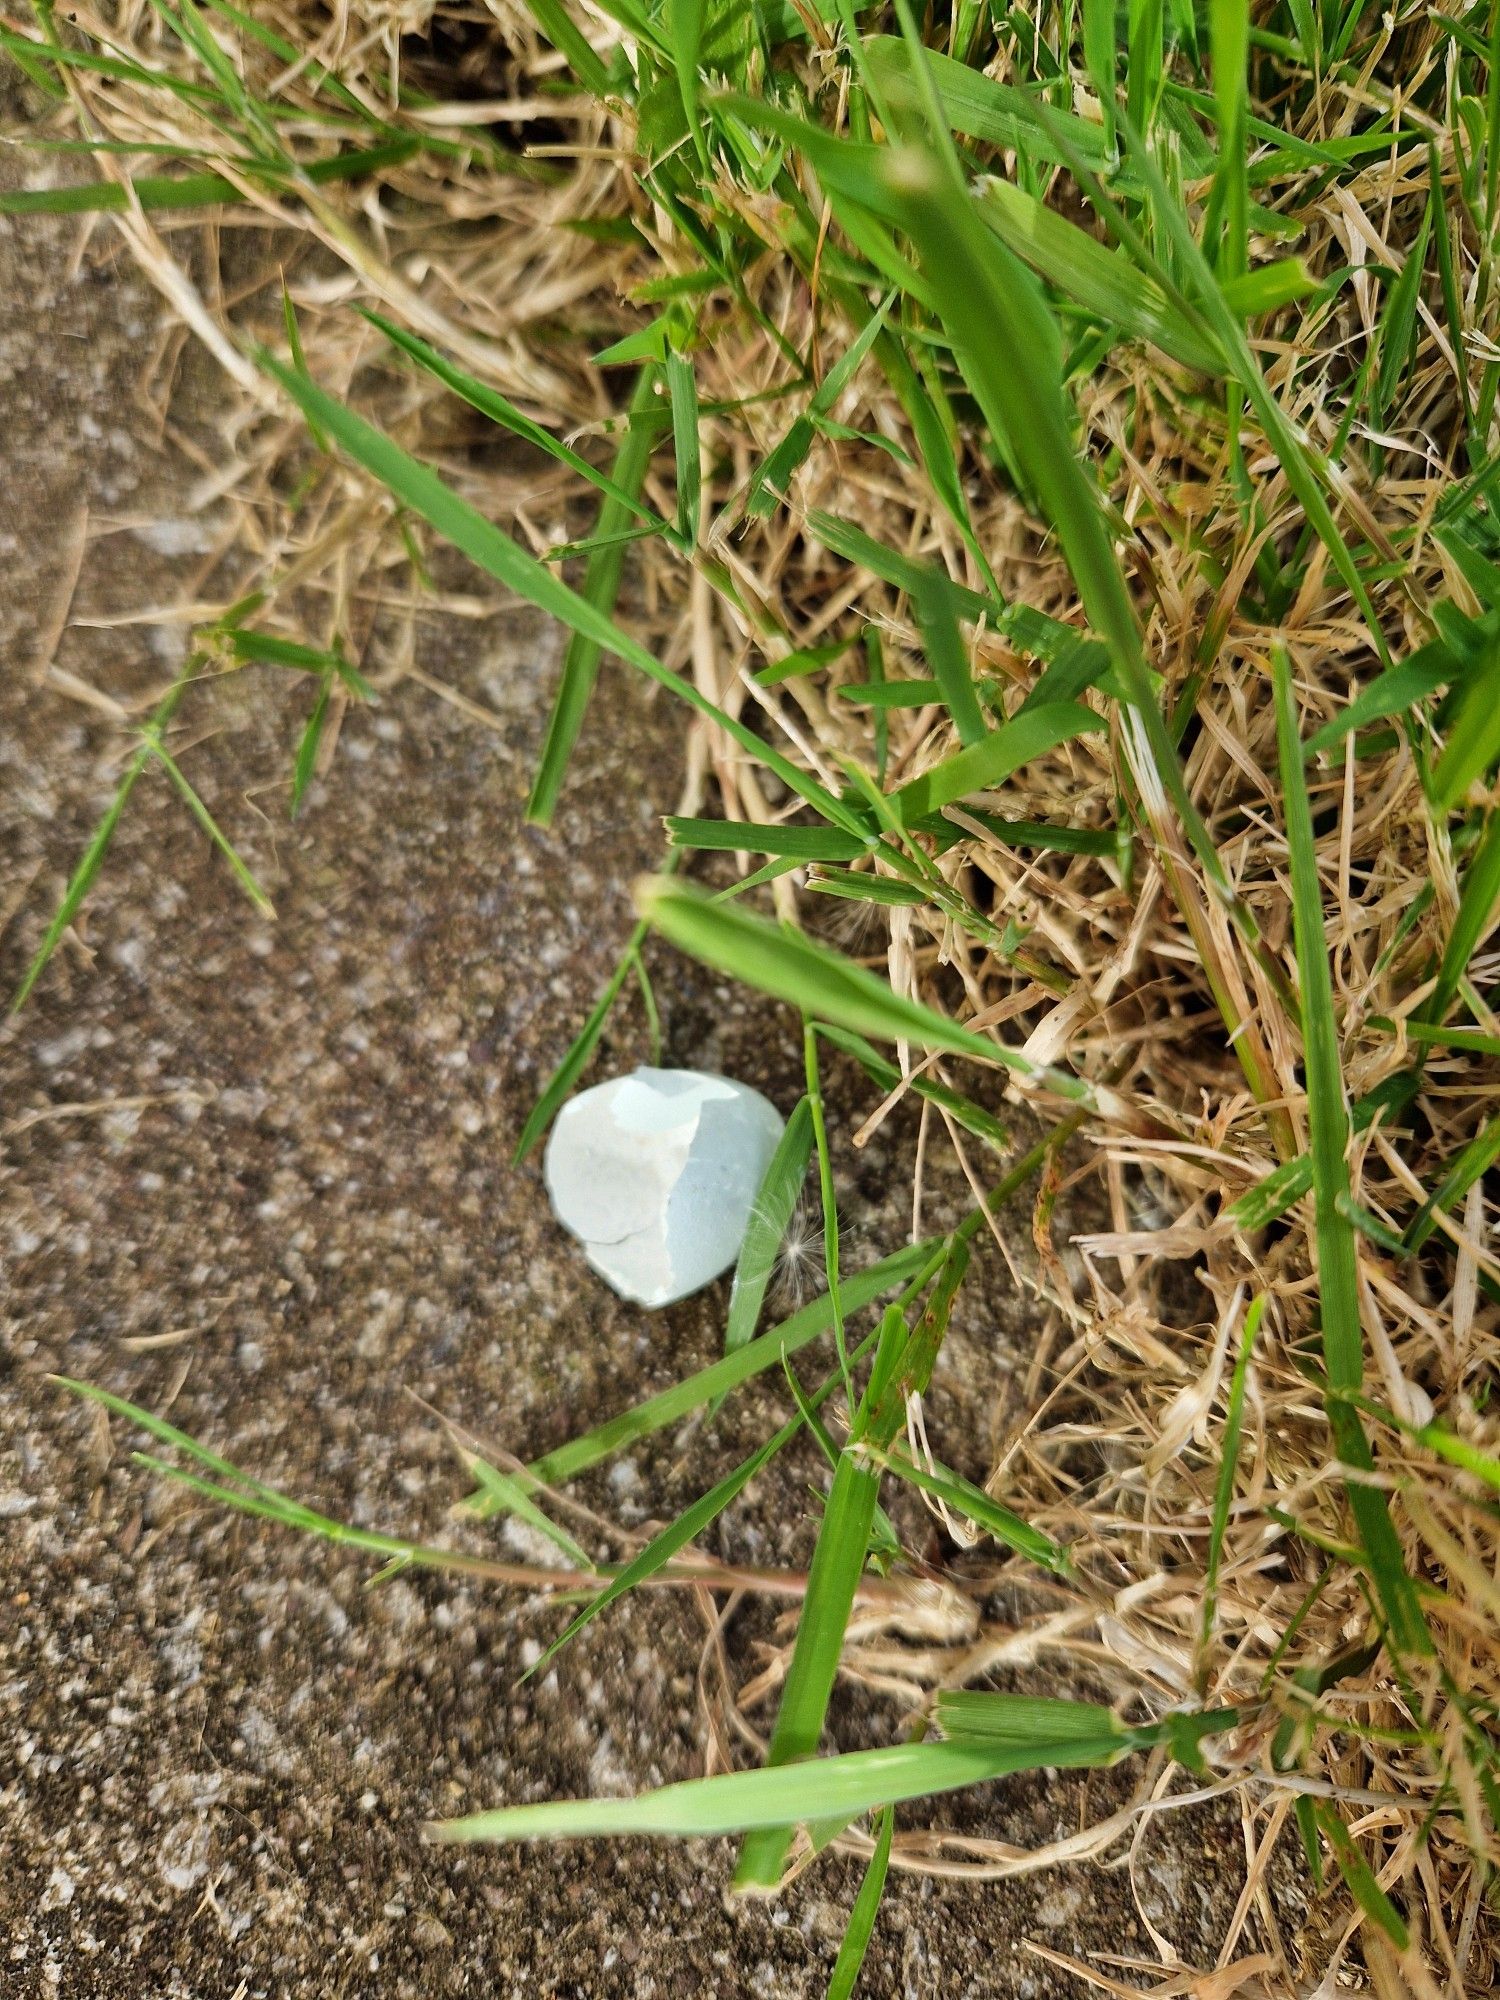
<point x="994" y="758"/>
<point x="690" y="1523"/>
<point x="666" y="1543"/>
<point x="601" y="588"/>
<point x="503" y="558"/>
<point x="165" y="1433"/>
<point x="210" y="826"/>
<point x="1329" y="1133"/>
<point x="82" y="878"/>
<point x="821" y="982"/>
<point x="887" y="1077"/>
<point x="1229" y="1452"/>
<point x="505" y="1494"/>
<point x="299" y="359"/>
<point x="861" y="1925"/>
<point x="789" y="1794"/>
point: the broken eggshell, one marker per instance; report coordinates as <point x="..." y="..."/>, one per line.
<point x="655" y="1173"/>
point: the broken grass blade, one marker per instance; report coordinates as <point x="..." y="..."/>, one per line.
<point x="983" y="1715"/>
<point x="307" y="749"/>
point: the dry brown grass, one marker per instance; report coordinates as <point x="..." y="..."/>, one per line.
<point x="1112" y="1441"/>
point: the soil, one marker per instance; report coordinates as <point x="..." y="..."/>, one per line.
<point x="257" y="1177"/>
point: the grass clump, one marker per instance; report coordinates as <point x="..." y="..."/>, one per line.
<point x="1062" y="466"/>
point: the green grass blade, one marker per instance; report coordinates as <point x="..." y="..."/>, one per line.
<point x="500" y="410"/>
<point x="787" y="1794"/>
<point x="1101" y="281"/>
<point x="980" y="1715"/>
<point x="1392" y="692"/>
<point x="669" y="1406"/>
<point x="775" y="1203"/>
<point x="1476" y="912"/>
<point x="1474" y="1161"/>
<point x="949" y="661"/>
<point x="861" y="1925"/>
<point x="987" y="764"/>
<point x="503" y="1493"/>
<point x="1329" y="1130"/>
<point x="887" y="1077"/>
<point x="668" y="1541"/>
<point x="1007" y="346"/>
<point x="1473" y="739"/>
<point x="1229" y="43"/>
<point x="801" y="843"/>
<point x="555" y="22"/>
<point x="503" y="558"/>
<point x="982" y="108"/>
<point x="307" y="748"/>
<point x="963" y="1497"/>
<point x="601" y="588"/>
<point x="682" y="391"/>
<point x="838" y="1561"/>
<point x="818" y="981"/>
<point x="881" y="889"/>
<point x="1358" y="1877"/>
<point x="210" y="826"/>
<point x="1229" y="1452"/>
<point x="82" y="878"/>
